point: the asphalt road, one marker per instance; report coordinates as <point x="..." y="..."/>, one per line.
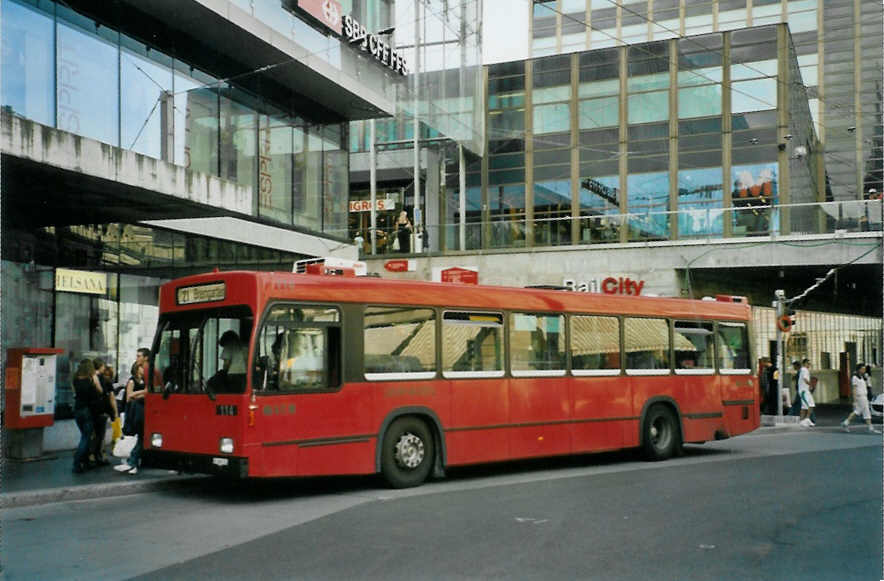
<point x="796" y="505"/>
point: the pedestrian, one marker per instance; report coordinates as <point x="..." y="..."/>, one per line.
<point x="804" y="392"/>
<point x="860" y="401"/>
<point x="105" y="409"/>
<point x="135" y="391"/>
<point x="795" y="406"/>
<point x="87" y="392"/>
<point x="868" y="378"/>
<point x="403" y="232"/>
<point x="142" y="357"/>
<point x="767" y="396"/>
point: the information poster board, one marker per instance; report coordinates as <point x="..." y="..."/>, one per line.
<point x="37" y="385"/>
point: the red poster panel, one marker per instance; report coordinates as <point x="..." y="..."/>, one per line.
<point x="461" y="275"/>
<point x="396" y="265"/>
<point x="327" y="12"/>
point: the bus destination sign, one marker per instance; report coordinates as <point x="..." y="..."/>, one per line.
<point x="203" y="293"/>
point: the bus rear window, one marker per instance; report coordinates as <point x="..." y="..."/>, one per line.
<point x="204" y="351"/>
<point x="694" y="352"/>
<point x="733" y="348"/>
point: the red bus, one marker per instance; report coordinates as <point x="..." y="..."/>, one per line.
<point x="281" y="374"/>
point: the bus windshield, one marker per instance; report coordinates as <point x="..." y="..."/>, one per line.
<point x="204" y="351"/>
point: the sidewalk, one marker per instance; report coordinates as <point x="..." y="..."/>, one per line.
<point x="50" y="479"/>
<point x="827" y="416"/>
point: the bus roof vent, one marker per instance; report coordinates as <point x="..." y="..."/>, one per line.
<point x="730" y="299"/>
<point x="330" y="265"/>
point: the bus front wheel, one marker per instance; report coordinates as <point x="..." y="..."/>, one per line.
<point x="408" y="453"/>
<point x="661" y="437"/>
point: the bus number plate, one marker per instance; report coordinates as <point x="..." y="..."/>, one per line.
<point x="220" y="461"/>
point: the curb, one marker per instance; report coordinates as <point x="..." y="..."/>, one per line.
<point x="92" y="491"/>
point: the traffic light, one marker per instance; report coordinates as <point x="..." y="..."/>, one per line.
<point x="793" y="316"/>
<point x="787" y="320"/>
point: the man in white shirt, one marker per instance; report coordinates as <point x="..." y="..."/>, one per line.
<point x="807" y="403"/>
<point x="860" y="401"/>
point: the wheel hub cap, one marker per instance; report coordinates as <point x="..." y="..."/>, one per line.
<point x="409" y="451"/>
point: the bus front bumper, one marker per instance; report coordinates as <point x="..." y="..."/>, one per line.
<point x="229" y="466"/>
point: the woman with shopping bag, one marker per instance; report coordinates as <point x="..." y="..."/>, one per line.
<point x="134" y="421"/>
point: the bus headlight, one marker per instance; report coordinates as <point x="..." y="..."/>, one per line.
<point x="156" y="440"/>
<point x="226" y="446"/>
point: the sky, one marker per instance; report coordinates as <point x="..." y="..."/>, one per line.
<point x="505" y="30"/>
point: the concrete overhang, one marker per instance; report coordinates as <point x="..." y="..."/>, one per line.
<point x="263" y="235"/>
<point x="218" y="36"/>
<point x="55" y="178"/>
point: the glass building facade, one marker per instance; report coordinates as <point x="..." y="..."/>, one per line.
<point x="67" y="71"/>
<point x="837" y="48"/>
<point x="674" y="139"/>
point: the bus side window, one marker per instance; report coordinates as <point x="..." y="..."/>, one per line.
<point x="646" y="344"/>
<point x="298" y="348"/>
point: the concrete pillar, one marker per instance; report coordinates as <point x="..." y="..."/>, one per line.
<point x="373" y="186"/>
<point x="462" y="198"/>
<point x="624" y="151"/>
<point x="529" y="154"/>
<point x="575" y="149"/>
<point x="783" y="119"/>
<point x="673" y="138"/>
<point x="727" y="199"/>
<point x="167" y="122"/>
<point x="432" y="200"/>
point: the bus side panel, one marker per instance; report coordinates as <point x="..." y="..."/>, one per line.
<point x="318" y="433"/>
<point x="601" y="406"/>
<point x="536" y="401"/>
<point x="329" y="459"/>
<point x="479" y="419"/>
<point x="697" y="400"/>
<point x="739" y="400"/>
<point x="398" y="397"/>
<point x="643" y="388"/>
<point x="700" y="407"/>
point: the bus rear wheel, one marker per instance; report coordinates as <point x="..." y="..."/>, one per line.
<point x="408" y="453"/>
<point x="661" y="435"/>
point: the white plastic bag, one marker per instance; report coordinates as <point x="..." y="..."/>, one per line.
<point x="124" y="446"/>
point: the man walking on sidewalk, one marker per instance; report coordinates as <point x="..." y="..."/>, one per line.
<point x="860" y="400"/>
<point x="807" y="403"/>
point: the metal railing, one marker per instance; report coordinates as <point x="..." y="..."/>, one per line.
<point x="605" y="227"/>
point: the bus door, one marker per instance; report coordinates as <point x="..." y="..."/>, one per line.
<point x="306" y="421"/>
<point x="473" y="362"/>
<point x="739" y="391"/>
<point x="600" y="396"/>
<point x="197" y="390"/>
<point x="540" y="407"/>
<point x="697" y="387"/>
